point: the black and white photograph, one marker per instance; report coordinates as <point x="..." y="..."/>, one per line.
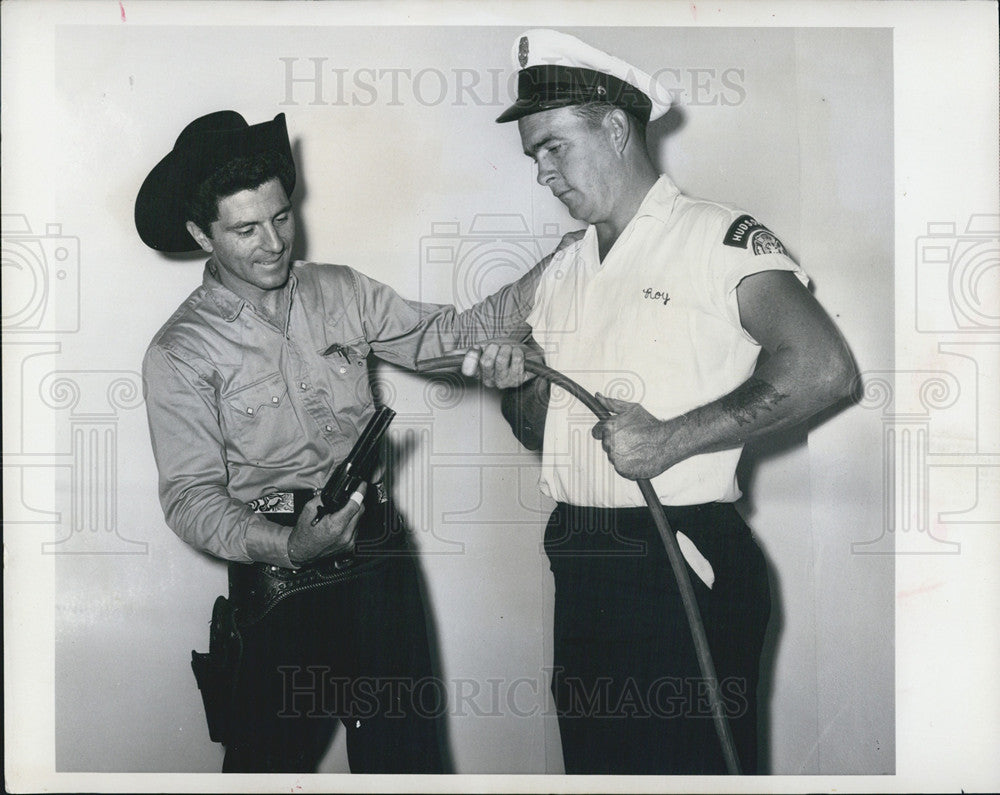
<point x="554" y="396"/>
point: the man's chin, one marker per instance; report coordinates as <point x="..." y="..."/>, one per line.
<point x="275" y="273"/>
<point x="574" y="208"/>
<point x="279" y="280"/>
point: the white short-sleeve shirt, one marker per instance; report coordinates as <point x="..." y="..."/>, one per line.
<point x="657" y="322"/>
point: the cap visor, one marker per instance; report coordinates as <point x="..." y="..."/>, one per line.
<point x="523" y="108"/>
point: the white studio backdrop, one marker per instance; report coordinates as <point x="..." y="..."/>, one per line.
<point x="405" y="176"/>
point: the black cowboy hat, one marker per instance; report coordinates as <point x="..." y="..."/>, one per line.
<point x="202" y="147"/>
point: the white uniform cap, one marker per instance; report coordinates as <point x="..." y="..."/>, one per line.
<point x="558" y="70"/>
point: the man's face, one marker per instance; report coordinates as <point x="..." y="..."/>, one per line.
<point x="574" y="159"/>
<point x="252" y="239"/>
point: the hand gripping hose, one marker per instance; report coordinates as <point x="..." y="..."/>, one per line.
<point x="674" y="554"/>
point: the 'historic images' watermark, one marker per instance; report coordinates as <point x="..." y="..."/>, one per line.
<point x="320" y="81"/>
<point x="317" y="692"/>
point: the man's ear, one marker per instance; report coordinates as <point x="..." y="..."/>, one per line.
<point x="618" y="128"/>
<point x="200" y="237"/>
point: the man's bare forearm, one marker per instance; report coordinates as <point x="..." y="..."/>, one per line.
<point x="781" y="393"/>
<point x="808" y="367"/>
<point x="751" y="400"/>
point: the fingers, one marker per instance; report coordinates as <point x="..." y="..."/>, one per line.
<point x="606" y="433"/>
<point x="471" y="362"/>
<point x="333" y="533"/>
<point x="604" y="429"/>
<point x="354" y="505"/>
<point x="497" y="365"/>
<point x="487" y="364"/>
<point x="309" y="511"/>
<point x="508" y="366"/>
<point x="614" y="404"/>
<point x="355" y="517"/>
<point x="338" y="528"/>
<point x="516" y="372"/>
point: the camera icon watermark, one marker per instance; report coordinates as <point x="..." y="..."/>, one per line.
<point x="958" y="276"/>
<point x="494" y="250"/>
<point x="41" y="278"/>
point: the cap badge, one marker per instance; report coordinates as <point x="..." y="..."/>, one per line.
<point x="522" y="51"/>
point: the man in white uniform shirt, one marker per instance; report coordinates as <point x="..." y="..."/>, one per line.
<point x="661" y="308"/>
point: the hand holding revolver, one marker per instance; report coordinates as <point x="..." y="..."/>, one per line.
<point x="333" y="533"/>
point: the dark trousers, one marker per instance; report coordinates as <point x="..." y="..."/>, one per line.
<point x="628" y="691"/>
<point x="354" y="652"/>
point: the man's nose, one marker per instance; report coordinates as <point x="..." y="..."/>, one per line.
<point x="271" y="240"/>
<point x="545" y="173"/>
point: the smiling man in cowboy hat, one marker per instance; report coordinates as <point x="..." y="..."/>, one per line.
<point x="255" y="389"/>
<point x="666" y="300"/>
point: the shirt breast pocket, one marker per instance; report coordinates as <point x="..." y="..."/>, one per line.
<point x="262" y="428"/>
<point x="351" y="352"/>
<point x="348" y="372"/>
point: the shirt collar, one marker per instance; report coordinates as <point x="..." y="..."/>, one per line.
<point x="229" y="303"/>
<point x="659" y="202"/>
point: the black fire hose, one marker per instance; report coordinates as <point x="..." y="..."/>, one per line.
<point x="674" y="554"/>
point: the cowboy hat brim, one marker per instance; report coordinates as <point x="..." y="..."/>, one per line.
<point x="160" y="206"/>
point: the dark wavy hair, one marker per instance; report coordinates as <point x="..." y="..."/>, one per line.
<point x="240" y="173"/>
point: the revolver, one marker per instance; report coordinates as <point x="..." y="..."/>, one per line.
<point x="357" y="467"/>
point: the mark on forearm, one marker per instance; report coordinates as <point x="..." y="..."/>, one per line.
<point x="748" y="401"/>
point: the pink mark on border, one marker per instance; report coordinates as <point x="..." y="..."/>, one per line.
<point x="122" y="8"/>
<point x="917" y="591"/>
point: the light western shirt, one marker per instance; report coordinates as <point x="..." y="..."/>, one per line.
<point x="239" y="406"/>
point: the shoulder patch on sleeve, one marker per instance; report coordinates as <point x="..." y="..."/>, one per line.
<point x="745" y="232"/>
<point x="764" y="242"/>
